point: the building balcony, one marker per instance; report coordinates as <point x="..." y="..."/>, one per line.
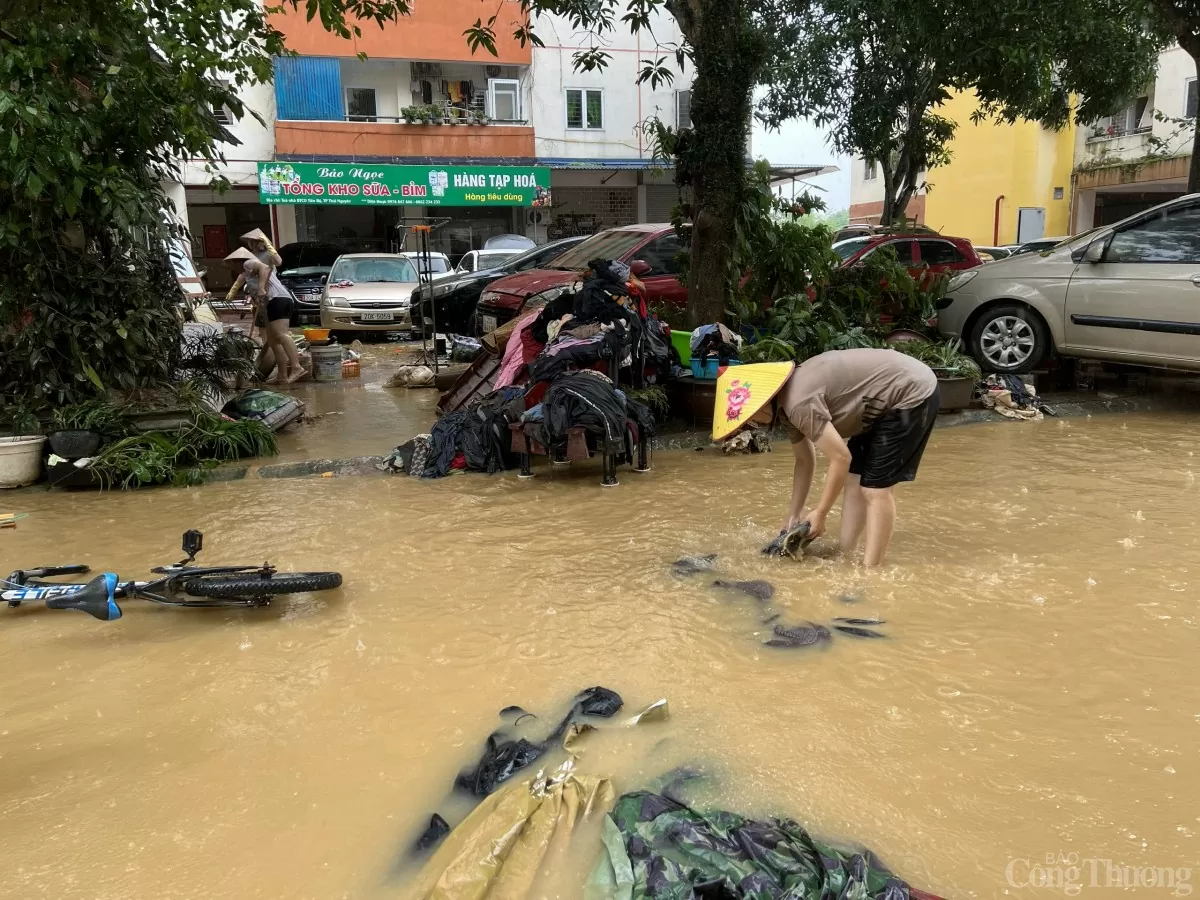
<point x="399" y="142"/>
<point x="1118" y="146"/>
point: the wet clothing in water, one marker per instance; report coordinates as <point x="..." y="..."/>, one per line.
<point x="502" y="755"/>
<point x="659" y="849"/>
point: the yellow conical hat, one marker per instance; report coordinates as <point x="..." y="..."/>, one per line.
<point x="744" y="390"/>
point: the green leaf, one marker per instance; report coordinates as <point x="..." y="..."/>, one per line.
<point x="33" y="185"/>
<point x="124" y="335"/>
<point x="91" y="375"/>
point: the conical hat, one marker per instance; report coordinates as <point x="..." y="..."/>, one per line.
<point x="255" y="235"/>
<point x="744" y="390"/>
<point x="240" y="255"/>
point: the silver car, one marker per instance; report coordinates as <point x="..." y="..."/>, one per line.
<point x="1127" y="293"/>
<point x="369" y="292"/>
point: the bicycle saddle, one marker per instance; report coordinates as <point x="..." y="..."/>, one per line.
<point x="96" y="598"/>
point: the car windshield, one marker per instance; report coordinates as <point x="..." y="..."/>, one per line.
<point x="846" y="249"/>
<point x="362" y="269"/>
<point x="613" y="244"/>
<point x="489" y="258"/>
<point x="299" y="260"/>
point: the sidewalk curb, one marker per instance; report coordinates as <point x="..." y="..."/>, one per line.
<point x="692" y="439"/>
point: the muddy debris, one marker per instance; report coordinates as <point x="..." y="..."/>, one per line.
<point x="693" y="565"/>
<point x="759" y="590"/>
<point x="847" y="621"/>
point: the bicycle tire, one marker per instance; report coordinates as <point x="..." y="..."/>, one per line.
<point x="229" y="587"/>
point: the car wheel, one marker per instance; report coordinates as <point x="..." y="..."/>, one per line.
<point x="1010" y="339"/>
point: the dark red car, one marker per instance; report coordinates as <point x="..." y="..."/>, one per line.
<point x="919" y="251"/>
<point x="649" y="250"/>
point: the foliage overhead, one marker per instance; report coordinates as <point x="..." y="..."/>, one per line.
<point x="876" y="72"/>
<point x="1181" y="18"/>
<point x="96" y="101"/>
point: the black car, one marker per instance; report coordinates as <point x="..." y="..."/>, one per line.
<point x="456" y="297"/>
<point x="305" y="267"/>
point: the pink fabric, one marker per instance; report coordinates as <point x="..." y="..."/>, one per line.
<point x="514" y="354"/>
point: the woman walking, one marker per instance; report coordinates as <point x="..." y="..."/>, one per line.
<point x="258" y="279"/>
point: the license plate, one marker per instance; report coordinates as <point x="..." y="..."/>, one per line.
<point x="488" y="323"/>
<point x="377" y="316"/>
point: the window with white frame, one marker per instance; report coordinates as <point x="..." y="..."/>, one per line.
<point x="361" y="105"/>
<point x="504" y="99"/>
<point x="223" y="114"/>
<point x="869" y="170"/>
<point x="683" y="110"/>
<point x="585" y="108"/>
<point x="1189" y="99"/>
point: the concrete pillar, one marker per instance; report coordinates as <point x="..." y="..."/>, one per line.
<point x="177" y="202"/>
<point x="1085" y="211"/>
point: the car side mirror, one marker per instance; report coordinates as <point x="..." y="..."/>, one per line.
<point x="1095" y="252"/>
<point x="639" y="267"/>
<point x="324" y="279"/>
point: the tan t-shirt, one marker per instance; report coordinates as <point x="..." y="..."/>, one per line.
<point x="851" y="389"/>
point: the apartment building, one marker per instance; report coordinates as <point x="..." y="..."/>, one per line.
<point x="1004" y="183"/>
<point x="1140" y="155"/>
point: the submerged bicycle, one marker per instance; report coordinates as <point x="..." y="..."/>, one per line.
<point x="181" y="584"/>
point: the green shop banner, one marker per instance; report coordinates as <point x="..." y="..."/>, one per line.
<point x="356" y="184"/>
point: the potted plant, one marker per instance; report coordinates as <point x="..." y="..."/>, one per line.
<point x="79" y="429"/>
<point x="478" y="117"/>
<point x="956" y="372"/>
<point x="422" y="114"/>
<point x="409" y="114"/>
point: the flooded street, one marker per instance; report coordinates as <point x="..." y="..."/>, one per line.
<point x="1036" y="694"/>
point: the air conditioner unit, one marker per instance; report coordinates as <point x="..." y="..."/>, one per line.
<point x="535" y="217"/>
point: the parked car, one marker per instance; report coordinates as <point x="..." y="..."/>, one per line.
<point x="991" y="254"/>
<point x="650" y="251"/>
<point x="457" y="297"/>
<point x="305" y="267"/>
<point x="919" y="251"/>
<point x="516" y="242"/>
<point x="478" y="260"/>
<point x="862" y="230"/>
<point x="369" y="292"/>
<point x="1039" y="246"/>
<point x="438" y="264"/>
<point x="1127" y="293"/>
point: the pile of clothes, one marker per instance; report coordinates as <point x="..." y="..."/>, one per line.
<point x="561" y="369"/>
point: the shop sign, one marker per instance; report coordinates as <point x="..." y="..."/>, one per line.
<point x="356" y="184"/>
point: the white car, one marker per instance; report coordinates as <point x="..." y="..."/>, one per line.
<point x="369" y="292"/>
<point x="438" y="264"/>
<point x="478" y="260"/>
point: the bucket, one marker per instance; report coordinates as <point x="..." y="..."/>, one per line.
<point x="20" y="460"/>
<point x="314" y="335"/>
<point x="710" y="369"/>
<point x="326" y="363"/>
<point x="682" y="342"/>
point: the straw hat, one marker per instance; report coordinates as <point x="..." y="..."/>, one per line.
<point x="239" y="256"/>
<point x="744" y="390"/>
<point x="255" y="235"/>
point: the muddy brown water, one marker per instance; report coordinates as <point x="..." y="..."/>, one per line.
<point x="1036" y="696"/>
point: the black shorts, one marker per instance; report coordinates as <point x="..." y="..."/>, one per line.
<point x="890" y="451"/>
<point x="279" y="308"/>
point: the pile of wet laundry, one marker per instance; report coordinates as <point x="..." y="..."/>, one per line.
<point x="563" y="367"/>
<point x="652" y="844"/>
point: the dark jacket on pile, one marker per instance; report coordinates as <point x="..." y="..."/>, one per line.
<point x="588" y="400"/>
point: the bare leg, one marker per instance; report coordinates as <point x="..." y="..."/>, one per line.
<point x="285" y="351"/>
<point x="265" y="364"/>
<point x="854" y="514"/>
<point x="881" y="519"/>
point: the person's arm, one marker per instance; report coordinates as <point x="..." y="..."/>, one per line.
<point x="802" y="477"/>
<point x="276" y="259"/>
<point x="831" y="444"/>
<point x="264" y="276"/>
<point x="236" y="287"/>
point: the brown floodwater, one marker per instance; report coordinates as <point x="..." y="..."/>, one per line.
<point x="1036" y="695"/>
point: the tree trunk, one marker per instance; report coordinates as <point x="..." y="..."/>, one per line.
<point x="728" y="55"/>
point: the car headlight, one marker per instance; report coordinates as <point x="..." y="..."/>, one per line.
<point x="341" y="302"/>
<point x="489" y="297"/>
<point x="439" y="289"/>
<point x="961" y="279"/>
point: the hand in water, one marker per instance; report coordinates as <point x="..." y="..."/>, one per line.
<point x="816" y="522"/>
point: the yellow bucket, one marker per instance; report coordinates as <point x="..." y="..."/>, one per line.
<point x="316" y="334"/>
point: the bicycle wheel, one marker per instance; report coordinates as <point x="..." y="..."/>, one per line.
<point x="229" y="587"/>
